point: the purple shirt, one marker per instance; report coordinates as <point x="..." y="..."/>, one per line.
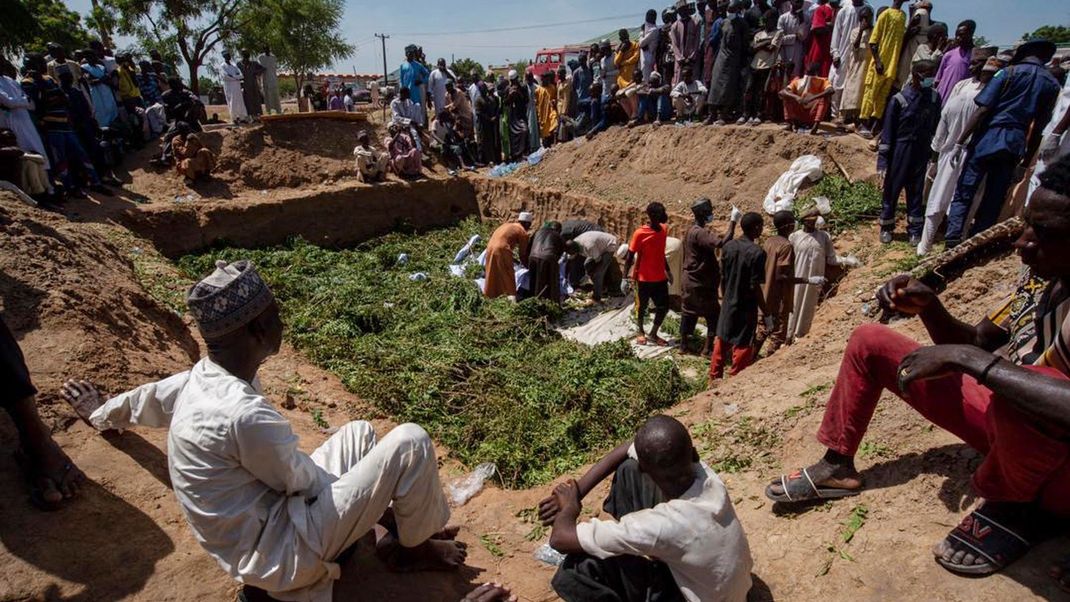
<point x="954" y="67"/>
<point x="335" y="104"/>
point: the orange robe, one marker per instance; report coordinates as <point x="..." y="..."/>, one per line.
<point x="501" y="277"/>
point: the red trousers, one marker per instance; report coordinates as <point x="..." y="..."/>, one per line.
<point x="794" y="111"/>
<point x="741" y="358"/>
<point x="1025" y="460"/>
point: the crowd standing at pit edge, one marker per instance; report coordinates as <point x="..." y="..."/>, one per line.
<point x="960" y="124"/>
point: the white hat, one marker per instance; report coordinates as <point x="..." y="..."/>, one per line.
<point x="622" y="252"/>
<point x="513" y="74"/>
<point x="526" y="216"/>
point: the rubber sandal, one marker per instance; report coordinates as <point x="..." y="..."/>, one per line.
<point x="995" y="542"/>
<point x="799" y="487"/>
<point x="32" y="476"/>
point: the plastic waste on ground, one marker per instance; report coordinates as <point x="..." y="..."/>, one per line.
<point x="535" y="157"/>
<point x="500" y="171"/>
<point x="548" y="555"/>
<point x="418" y="276"/>
<point x="403" y="259"/>
<point x="466" y="250"/>
<point x="782" y="195"/>
<point x="465" y="488"/>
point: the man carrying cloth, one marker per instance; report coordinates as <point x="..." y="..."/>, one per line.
<point x="1016" y="412"/>
<point x="275" y="518"/>
<point x="674" y="534"/>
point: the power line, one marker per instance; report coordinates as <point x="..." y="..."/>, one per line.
<point x="519" y="28"/>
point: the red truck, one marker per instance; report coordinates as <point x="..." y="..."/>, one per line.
<point x="549" y="59"/>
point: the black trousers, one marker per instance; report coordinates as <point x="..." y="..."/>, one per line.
<point x="583" y="578"/>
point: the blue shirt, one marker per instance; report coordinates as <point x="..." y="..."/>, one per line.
<point x="1017" y="96"/>
<point x="909" y="124"/>
<point x="413" y="75"/>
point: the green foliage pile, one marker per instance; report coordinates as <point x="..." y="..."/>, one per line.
<point x="488" y="378"/>
<point x="28" y="25"/>
<point x="852" y="203"/>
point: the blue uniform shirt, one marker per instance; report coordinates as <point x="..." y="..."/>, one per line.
<point x="1016" y="96"/>
<point x="909" y="122"/>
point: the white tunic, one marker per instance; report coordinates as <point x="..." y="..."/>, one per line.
<point x="1061" y="107"/>
<point x="648" y="46"/>
<point x="955" y="116"/>
<point x="813" y="253"/>
<point x="436" y="83"/>
<point x="270" y="81"/>
<point x="272" y="516"/>
<point x="697" y="535"/>
<point x="846" y="21"/>
<point x="232" y="79"/>
<point x="15" y="115"/>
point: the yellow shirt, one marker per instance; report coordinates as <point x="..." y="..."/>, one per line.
<point x="545" y="101"/>
<point x="626" y="62"/>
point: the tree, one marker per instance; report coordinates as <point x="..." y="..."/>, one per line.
<point x="466" y="67"/>
<point x="1060" y="34"/>
<point x="521" y="66"/>
<point x="206" y="83"/>
<point x="981" y="42"/>
<point x="303" y="34"/>
<point x="29" y="25"/>
<point x="194" y="27"/>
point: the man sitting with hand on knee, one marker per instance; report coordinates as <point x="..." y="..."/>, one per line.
<point x="675" y="535"/>
<point x="275" y="518"/>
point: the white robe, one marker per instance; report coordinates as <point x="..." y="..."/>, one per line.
<point x="436" y="83"/>
<point x="648" y="46"/>
<point x="232" y="79"/>
<point x="955" y="116"/>
<point x="846" y="21"/>
<point x="813" y="253"/>
<point x="1061" y="107"/>
<point x="271" y="515"/>
<point x="270" y="83"/>
<point x="15" y="115"/>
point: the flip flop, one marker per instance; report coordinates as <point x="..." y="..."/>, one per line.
<point x="33" y="479"/>
<point x="799" y="487"/>
<point x="995" y="542"/>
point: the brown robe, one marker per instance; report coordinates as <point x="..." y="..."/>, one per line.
<point x="501" y="277"/>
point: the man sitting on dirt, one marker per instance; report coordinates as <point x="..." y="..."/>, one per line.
<point x="371" y="162"/>
<point x="1019" y="416"/>
<point x="675" y="535"/>
<point x="50" y="474"/>
<point x="405" y="157"/>
<point x="274" y="518"/>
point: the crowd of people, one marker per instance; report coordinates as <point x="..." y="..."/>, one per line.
<point x="250" y="86"/>
<point x="280" y="521"/>
<point x="66" y="123"/>
<point x="893" y="75"/>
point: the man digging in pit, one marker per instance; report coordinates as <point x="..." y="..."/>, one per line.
<point x="1016" y="412"/>
<point x="276" y="519"/>
<point x="674" y="534"/>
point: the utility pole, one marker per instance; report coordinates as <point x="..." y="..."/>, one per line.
<point x="386" y="74"/>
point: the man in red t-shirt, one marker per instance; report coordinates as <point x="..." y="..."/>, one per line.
<point x="647" y="253"/>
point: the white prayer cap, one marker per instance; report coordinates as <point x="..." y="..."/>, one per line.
<point x="526" y="217"/>
<point x="513" y="74"/>
<point x="622" y="252"/>
<point x="228" y="298"/>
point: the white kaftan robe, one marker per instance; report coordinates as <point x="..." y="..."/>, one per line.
<point x="648" y="47"/>
<point x="15" y="115"/>
<point x="232" y="79"/>
<point x="813" y="253"/>
<point x="955" y="116"/>
<point x="1061" y="107"/>
<point x="846" y="21"/>
<point x="271" y="515"/>
<point x="436" y="84"/>
<point x="697" y="535"/>
<point x="270" y="81"/>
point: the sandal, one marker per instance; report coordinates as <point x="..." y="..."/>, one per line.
<point x="799" y="487"/>
<point x="997" y="543"/>
<point x="34" y="481"/>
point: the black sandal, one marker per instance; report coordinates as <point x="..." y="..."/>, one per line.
<point x="799" y="487"/>
<point x="995" y="542"/>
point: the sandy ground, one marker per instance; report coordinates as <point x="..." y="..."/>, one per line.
<point x="71" y="292"/>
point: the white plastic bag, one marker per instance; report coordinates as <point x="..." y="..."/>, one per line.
<point x="465" y="488"/>
<point x="548" y="555"/>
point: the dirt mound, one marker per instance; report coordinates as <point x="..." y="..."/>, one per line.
<point x="676" y="165"/>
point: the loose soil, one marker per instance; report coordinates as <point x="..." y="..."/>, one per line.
<point x="677" y="165"/>
<point x="90" y="300"/>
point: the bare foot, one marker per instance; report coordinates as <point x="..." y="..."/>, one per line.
<point x="1061" y="574"/>
<point x="826" y="474"/>
<point x="51" y="475"/>
<point x="432" y="555"/>
<point x="490" y="592"/>
<point x="449" y="532"/>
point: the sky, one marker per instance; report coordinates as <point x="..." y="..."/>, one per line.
<point x="418" y="21"/>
